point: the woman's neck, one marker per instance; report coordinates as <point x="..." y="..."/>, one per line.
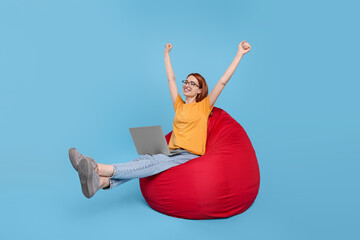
<point x="189" y="100"/>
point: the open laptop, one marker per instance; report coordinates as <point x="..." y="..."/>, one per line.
<point x="151" y="140"/>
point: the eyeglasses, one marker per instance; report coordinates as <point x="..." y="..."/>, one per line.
<point x="191" y="83"/>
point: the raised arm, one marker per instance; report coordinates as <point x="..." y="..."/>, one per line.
<point x="170" y="73"/>
<point x="244" y="48"/>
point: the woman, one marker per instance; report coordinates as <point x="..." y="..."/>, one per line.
<point x="189" y="132"/>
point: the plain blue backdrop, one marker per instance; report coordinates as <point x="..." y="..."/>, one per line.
<point x="80" y="73"/>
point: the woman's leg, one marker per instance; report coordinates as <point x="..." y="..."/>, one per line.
<point x="144" y="166"/>
<point x="105" y="171"/>
<point x="104" y="182"/>
<point x="114" y="183"/>
<point x="148" y="165"/>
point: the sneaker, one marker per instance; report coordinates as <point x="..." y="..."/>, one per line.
<point x="75" y="157"/>
<point x="89" y="179"/>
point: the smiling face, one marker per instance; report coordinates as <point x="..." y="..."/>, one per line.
<point x="189" y="90"/>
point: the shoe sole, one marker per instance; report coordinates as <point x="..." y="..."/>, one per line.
<point x="86" y="175"/>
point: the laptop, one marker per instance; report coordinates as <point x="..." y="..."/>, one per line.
<point x="151" y="140"/>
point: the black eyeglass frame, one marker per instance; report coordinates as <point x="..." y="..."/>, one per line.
<point x="191" y="83"/>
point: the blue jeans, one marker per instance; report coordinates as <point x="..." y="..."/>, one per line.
<point x="146" y="165"/>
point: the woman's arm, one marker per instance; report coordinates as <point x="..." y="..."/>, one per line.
<point x="244" y="48"/>
<point x="170" y="73"/>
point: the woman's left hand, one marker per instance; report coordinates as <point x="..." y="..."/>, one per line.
<point x="244" y="47"/>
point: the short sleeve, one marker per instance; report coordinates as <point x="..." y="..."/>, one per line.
<point x="178" y="102"/>
<point x="206" y="105"/>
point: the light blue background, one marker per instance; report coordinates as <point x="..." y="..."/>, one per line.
<point x="80" y="73"/>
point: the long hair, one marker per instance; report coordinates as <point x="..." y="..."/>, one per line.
<point x="203" y="85"/>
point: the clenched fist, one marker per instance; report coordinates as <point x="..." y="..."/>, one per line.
<point x="244" y="47"/>
<point x="168" y="47"/>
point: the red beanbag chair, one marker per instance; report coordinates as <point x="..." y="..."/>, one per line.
<point x="221" y="183"/>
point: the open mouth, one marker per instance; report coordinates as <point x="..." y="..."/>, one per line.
<point x="187" y="89"/>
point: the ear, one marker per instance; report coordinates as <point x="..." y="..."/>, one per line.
<point x="200" y="90"/>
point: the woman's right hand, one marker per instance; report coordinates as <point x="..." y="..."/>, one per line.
<point x="168" y="47"/>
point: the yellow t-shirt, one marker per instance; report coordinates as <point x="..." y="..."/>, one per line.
<point x="190" y="125"/>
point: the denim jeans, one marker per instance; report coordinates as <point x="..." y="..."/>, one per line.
<point x="146" y="165"/>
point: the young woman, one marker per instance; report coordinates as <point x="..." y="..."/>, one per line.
<point x="189" y="132"/>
